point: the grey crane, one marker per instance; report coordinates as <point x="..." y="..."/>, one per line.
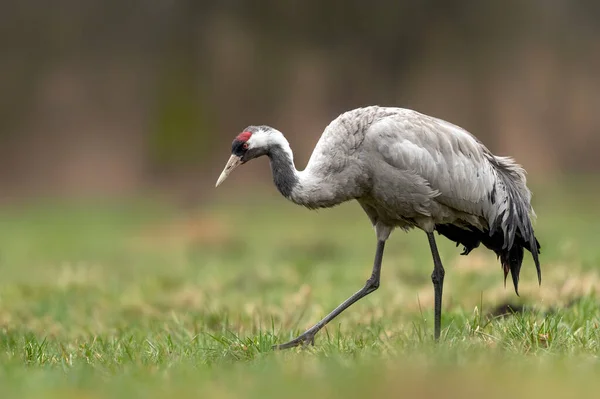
<point x="406" y="170"/>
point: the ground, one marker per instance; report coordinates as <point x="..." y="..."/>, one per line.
<point x="139" y="299"/>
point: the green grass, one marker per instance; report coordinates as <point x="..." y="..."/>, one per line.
<point x="105" y="300"/>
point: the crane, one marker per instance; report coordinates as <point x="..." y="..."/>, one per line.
<point x="406" y="170"/>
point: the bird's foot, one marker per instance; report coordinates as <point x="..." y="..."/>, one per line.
<point x="308" y="338"/>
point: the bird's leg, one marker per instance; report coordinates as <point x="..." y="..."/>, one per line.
<point x="371" y="285"/>
<point x="437" y="277"/>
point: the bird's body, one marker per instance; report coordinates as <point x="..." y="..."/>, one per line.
<point x="407" y="170"/>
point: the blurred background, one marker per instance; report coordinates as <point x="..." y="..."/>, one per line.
<point x="104" y="98"/>
<point x="118" y="255"/>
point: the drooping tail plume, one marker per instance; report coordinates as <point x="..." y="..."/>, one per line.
<point x="511" y="230"/>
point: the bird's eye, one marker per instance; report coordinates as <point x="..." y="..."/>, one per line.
<point x="245" y="146"/>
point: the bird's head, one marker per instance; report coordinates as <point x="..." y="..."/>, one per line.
<point x="253" y="142"/>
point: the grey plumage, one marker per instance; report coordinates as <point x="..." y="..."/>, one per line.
<point x="407" y="170"/>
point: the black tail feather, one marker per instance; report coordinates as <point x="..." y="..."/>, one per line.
<point x="511" y="258"/>
<point x="511" y="226"/>
<point x="534" y="248"/>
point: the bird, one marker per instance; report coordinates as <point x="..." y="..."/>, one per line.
<point x="407" y="170"/>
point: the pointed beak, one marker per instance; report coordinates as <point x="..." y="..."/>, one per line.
<point x="234" y="162"/>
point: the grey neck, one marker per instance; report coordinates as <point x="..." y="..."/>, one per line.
<point x="284" y="171"/>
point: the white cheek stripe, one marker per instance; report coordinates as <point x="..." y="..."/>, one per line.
<point x="262" y="139"/>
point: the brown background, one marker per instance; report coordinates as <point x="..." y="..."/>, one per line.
<point x="111" y="98"/>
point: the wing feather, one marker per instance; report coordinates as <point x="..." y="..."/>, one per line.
<point x="449" y="158"/>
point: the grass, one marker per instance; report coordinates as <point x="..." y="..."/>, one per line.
<point x="124" y="300"/>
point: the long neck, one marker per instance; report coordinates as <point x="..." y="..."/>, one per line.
<point x="309" y="187"/>
<point x="285" y="175"/>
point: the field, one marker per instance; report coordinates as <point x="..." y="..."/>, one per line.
<point x="140" y="299"/>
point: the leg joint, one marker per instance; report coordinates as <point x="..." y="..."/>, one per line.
<point x="372" y="284"/>
<point x="438" y="276"/>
